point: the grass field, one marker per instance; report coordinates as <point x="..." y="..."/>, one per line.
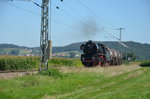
<point x="115" y="82"/>
<point x="33" y="62"/>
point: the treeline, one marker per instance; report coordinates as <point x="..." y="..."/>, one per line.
<point x="139" y="51"/>
<point x="10" y="46"/>
<point x="135" y="50"/>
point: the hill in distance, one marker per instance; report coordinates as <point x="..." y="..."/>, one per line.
<point x="142" y="51"/>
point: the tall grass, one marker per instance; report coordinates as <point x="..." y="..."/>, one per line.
<point x="52" y="72"/>
<point x="65" y="62"/>
<point x="17" y="62"/>
<point x="84" y="85"/>
<point x="24" y="62"/>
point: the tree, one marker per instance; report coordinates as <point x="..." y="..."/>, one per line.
<point x="131" y="56"/>
<point x="15" y="52"/>
<point x="72" y="54"/>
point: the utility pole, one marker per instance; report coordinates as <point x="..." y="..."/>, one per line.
<point x="120" y="35"/>
<point x="45" y="44"/>
<point x="44" y="35"/>
<point x="44" y="47"/>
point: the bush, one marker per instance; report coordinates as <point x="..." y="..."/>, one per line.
<point x="17" y="62"/>
<point x="145" y="63"/>
<point x="52" y="72"/>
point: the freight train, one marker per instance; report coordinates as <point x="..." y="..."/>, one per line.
<point x="98" y="54"/>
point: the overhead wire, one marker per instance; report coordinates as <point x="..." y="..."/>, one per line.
<point x="18" y="7"/>
<point x="65" y="24"/>
<point x="77" y="16"/>
<point x="53" y="19"/>
<point x="37" y="4"/>
<point x="31" y="12"/>
<point x="88" y="9"/>
<point x="111" y="35"/>
<point x="71" y="16"/>
<point x="21" y="8"/>
<point x="81" y="18"/>
<point x="68" y="14"/>
<point x="77" y="13"/>
<point x="120" y="42"/>
<point x="91" y="11"/>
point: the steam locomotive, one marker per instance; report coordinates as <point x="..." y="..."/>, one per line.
<point x="95" y="54"/>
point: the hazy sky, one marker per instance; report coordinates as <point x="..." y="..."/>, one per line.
<point x="75" y="21"/>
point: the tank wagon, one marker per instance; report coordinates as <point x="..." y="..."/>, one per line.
<point x="98" y="54"/>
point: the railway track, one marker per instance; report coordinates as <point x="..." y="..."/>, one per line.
<point x="13" y="71"/>
<point x="16" y="73"/>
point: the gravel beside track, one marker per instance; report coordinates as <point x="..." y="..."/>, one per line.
<point x="16" y="73"/>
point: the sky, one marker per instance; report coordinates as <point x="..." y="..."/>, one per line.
<point x="75" y="21"/>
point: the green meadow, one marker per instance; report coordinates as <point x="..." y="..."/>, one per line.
<point x="128" y="81"/>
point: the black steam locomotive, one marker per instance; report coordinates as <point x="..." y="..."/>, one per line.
<point x="95" y="54"/>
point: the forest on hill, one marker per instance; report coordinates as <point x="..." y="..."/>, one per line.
<point x="141" y="51"/>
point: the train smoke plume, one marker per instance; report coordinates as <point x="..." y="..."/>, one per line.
<point x="89" y="28"/>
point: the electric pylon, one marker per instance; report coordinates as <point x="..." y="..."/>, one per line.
<point x="44" y="35"/>
<point x="120" y="35"/>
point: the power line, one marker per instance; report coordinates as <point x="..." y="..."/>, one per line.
<point x="66" y="4"/>
<point x="120" y="29"/>
<point x="83" y="21"/>
<point x="78" y="17"/>
<point x="37" y="4"/>
<point x="18" y="0"/>
<point x="89" y="10"/>
<point x="18" y="7"/>
<point x="66" y="13"/>
<point x="93" y="13"/>
<point x="116" y="39"/>
<point x="111" y="35"/>
<point x="65" y="24"/>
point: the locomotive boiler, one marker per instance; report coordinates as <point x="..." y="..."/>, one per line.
<point x="95" y="54"/>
